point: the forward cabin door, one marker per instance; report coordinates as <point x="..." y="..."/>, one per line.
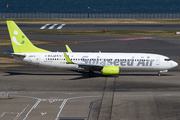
<point x="157" y="60"/>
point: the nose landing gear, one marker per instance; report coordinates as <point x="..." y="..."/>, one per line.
<point x="162" y="71"/>
<point x="159" y="73"/>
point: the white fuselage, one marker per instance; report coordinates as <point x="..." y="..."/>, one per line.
<point x="125" y="61"/>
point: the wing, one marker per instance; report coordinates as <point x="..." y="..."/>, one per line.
<point x="83" y="66"/>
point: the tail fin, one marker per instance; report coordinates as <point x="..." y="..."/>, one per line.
<point x="20" y="43"/>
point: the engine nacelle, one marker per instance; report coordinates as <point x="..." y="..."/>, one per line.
<point x="110" y="70"/>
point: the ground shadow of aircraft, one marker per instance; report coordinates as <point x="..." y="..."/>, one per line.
<point x="80" y="74"/>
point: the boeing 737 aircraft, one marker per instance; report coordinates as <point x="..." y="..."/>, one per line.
<point x="107" y="63"/>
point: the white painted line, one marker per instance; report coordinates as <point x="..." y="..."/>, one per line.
<point x="43" y="27"/>
<point x="35" y="105"/>
<point x="43" y="113"/>
<point x="19" y="114"/>
<point x="65" y="100"/>
<point x="81" y="97"/>
<point x="53" y="26"/>
<point x="2" y="114"/>
<point x="61" y="107"/>
<point x="60" y="27"/>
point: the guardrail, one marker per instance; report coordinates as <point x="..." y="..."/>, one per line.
<point x="88" y="16"/>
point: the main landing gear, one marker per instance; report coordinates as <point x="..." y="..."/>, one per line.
<point x="91" y="73"/>
<point x="159" y="73"/>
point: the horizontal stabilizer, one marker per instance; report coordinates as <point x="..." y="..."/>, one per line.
<point x="10" y="51"/>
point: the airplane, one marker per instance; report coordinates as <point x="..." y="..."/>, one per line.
<point x="107" y="63"/>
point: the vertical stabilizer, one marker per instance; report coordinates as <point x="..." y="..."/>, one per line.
<point x="20" y="43"/>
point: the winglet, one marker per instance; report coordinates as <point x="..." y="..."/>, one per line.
<point x="67" y="59"/>
<point x="68" y="49"/>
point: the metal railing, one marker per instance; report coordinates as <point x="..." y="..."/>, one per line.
<point x="88" y="16"/>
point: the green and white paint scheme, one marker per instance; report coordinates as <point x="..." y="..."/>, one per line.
<point x="20" y="42"/>
<point x="107" y="63"/>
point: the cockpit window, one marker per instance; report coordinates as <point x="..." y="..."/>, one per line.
<point x="167" y="59"/>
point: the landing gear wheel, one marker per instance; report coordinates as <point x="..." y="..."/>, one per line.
<point x="159" y="73"/>
<point x="91" y="73"/>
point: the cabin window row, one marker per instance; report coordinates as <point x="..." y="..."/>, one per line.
<point x="98" y="59"/>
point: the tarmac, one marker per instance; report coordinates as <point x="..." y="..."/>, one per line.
<point x="31" y="92"/>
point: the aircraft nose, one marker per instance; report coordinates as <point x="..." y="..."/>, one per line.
<point x="174" y="64"/>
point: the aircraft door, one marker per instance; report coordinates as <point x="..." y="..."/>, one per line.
<point x="37" y="59"/>
<point x="157" y="60"/>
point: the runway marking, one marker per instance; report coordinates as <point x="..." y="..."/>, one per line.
<point x="81" y="97"/>
<point x="43" y="113"/>
<point x="138" y="38"/>
<point x="35" y="105"/>
<point x="53" y="26"/>
<point x="52" y="100"/>
<point x="43" y="27"/>
<point x="90" y="107"/>
<point x="61" y="107"/>
<point x="19" y="114"/>
<point x="2" y="114"/>
<point x="60" y="27"/>
<point x="65" y="100"/>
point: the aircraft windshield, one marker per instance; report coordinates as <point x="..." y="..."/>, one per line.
<point x="167" y="59"/>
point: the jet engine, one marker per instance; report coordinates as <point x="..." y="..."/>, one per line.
<point x="110" y="70"/>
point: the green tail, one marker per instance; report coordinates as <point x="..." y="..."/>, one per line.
<point x="20" y="43"/>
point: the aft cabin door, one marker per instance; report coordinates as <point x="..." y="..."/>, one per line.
<point x="157" y="60"/>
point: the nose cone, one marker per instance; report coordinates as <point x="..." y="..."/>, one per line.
<point x="174" y="64"/>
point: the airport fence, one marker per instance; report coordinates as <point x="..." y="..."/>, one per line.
<point x="88" y="16"/>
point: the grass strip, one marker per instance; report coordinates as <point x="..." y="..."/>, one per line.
<point x="8" y="60"/>
<point x="9" y="66"/>
<point x="101" y="32"/>
<point x="111" y="32"/>
<point x="6" y="42"/>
